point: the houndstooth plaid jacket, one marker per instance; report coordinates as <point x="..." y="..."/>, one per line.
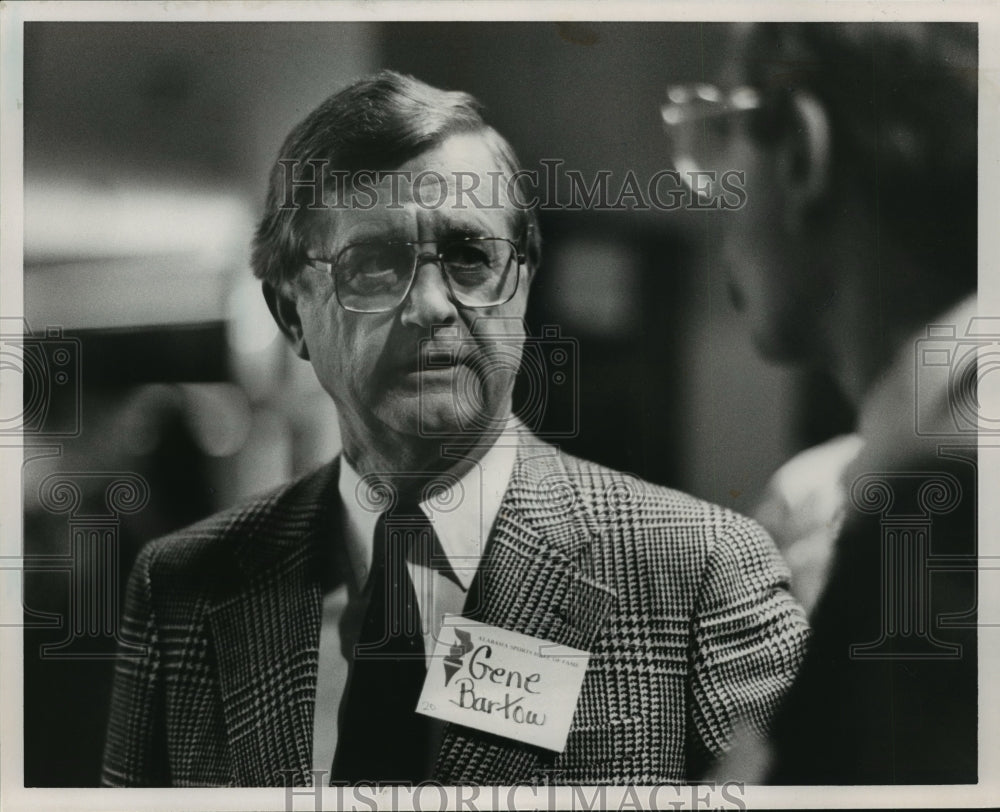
<point x="683" y="605"/>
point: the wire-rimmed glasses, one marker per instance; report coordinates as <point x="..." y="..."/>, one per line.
<point x="376" y="277"/>
<point x="699" y="120"/>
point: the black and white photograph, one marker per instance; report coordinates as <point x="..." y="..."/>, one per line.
<point x="491" y="406"/>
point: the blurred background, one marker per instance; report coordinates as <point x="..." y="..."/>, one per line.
<point x="146" y="151"/>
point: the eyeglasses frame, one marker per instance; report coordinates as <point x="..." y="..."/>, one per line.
<point x="331" y="269"/>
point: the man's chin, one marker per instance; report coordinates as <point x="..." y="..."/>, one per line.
<point x="437" y="414"/>
<point x="418" y="415"/>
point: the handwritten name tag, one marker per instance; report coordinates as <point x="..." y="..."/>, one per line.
<point x="503" y="682"/>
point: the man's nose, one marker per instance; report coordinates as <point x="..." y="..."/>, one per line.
<point x="429" y="301"/>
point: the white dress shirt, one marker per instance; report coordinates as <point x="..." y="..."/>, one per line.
<point x="462" y="519"/>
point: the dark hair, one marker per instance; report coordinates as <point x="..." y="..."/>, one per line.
<point x="374" y="124"/>
<point x="901" y="99"/>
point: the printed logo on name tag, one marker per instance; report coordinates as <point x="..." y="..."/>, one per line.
<point x="503" y="682"/>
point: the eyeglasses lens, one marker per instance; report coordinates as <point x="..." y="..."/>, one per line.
<point x="375" y="277"/>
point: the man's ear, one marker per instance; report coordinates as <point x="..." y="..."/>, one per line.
<point x="806" y="168"/>
<point x="283" y="304"/>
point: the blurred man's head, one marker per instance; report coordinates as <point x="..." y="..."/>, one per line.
<point x="859" y="147"/>
<point x="358" y="269"/>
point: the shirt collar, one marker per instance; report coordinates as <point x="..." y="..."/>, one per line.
<point x="462" y="515"/>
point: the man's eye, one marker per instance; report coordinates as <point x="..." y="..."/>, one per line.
<point x="467" y="256"/>
<point x="369" y="269"/>
<point x="371" y="274"/>
<point x="368" y="260"/>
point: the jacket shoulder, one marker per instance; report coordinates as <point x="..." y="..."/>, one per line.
<point x="610" y="493"/>
<point x="635" y="519"/>
<point x="287" y="510"/>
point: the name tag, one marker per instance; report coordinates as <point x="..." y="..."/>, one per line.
<point x="503" y="682"/>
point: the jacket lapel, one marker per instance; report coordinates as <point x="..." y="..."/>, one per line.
<point x="265" y="633"/>
<point x="536" y="579"/>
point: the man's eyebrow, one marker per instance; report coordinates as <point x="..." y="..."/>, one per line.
<point x="369" y="234"/>
<point x="466" y="230"/>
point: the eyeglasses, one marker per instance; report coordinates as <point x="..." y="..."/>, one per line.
<point x="376" y="277"/>
<point x="700" y="120"/>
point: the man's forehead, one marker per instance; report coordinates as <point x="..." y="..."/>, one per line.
<point x="434" y="187"/>
<point x="409" y="220"/>
<point x="455" y="186"/>
<point x="462" y="164"/>
<point x="470" y="151"/>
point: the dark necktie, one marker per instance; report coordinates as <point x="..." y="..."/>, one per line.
<point x="382" y="738"/>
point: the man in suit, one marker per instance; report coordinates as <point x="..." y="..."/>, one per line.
<point x="846" y="260"/>
<point x="292" y="634"/>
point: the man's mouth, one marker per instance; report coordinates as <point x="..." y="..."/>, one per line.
<point x="431" y="361"/>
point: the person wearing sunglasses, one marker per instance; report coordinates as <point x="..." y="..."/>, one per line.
<point x="288" y="640"/>
<point x="855" y="256"/>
